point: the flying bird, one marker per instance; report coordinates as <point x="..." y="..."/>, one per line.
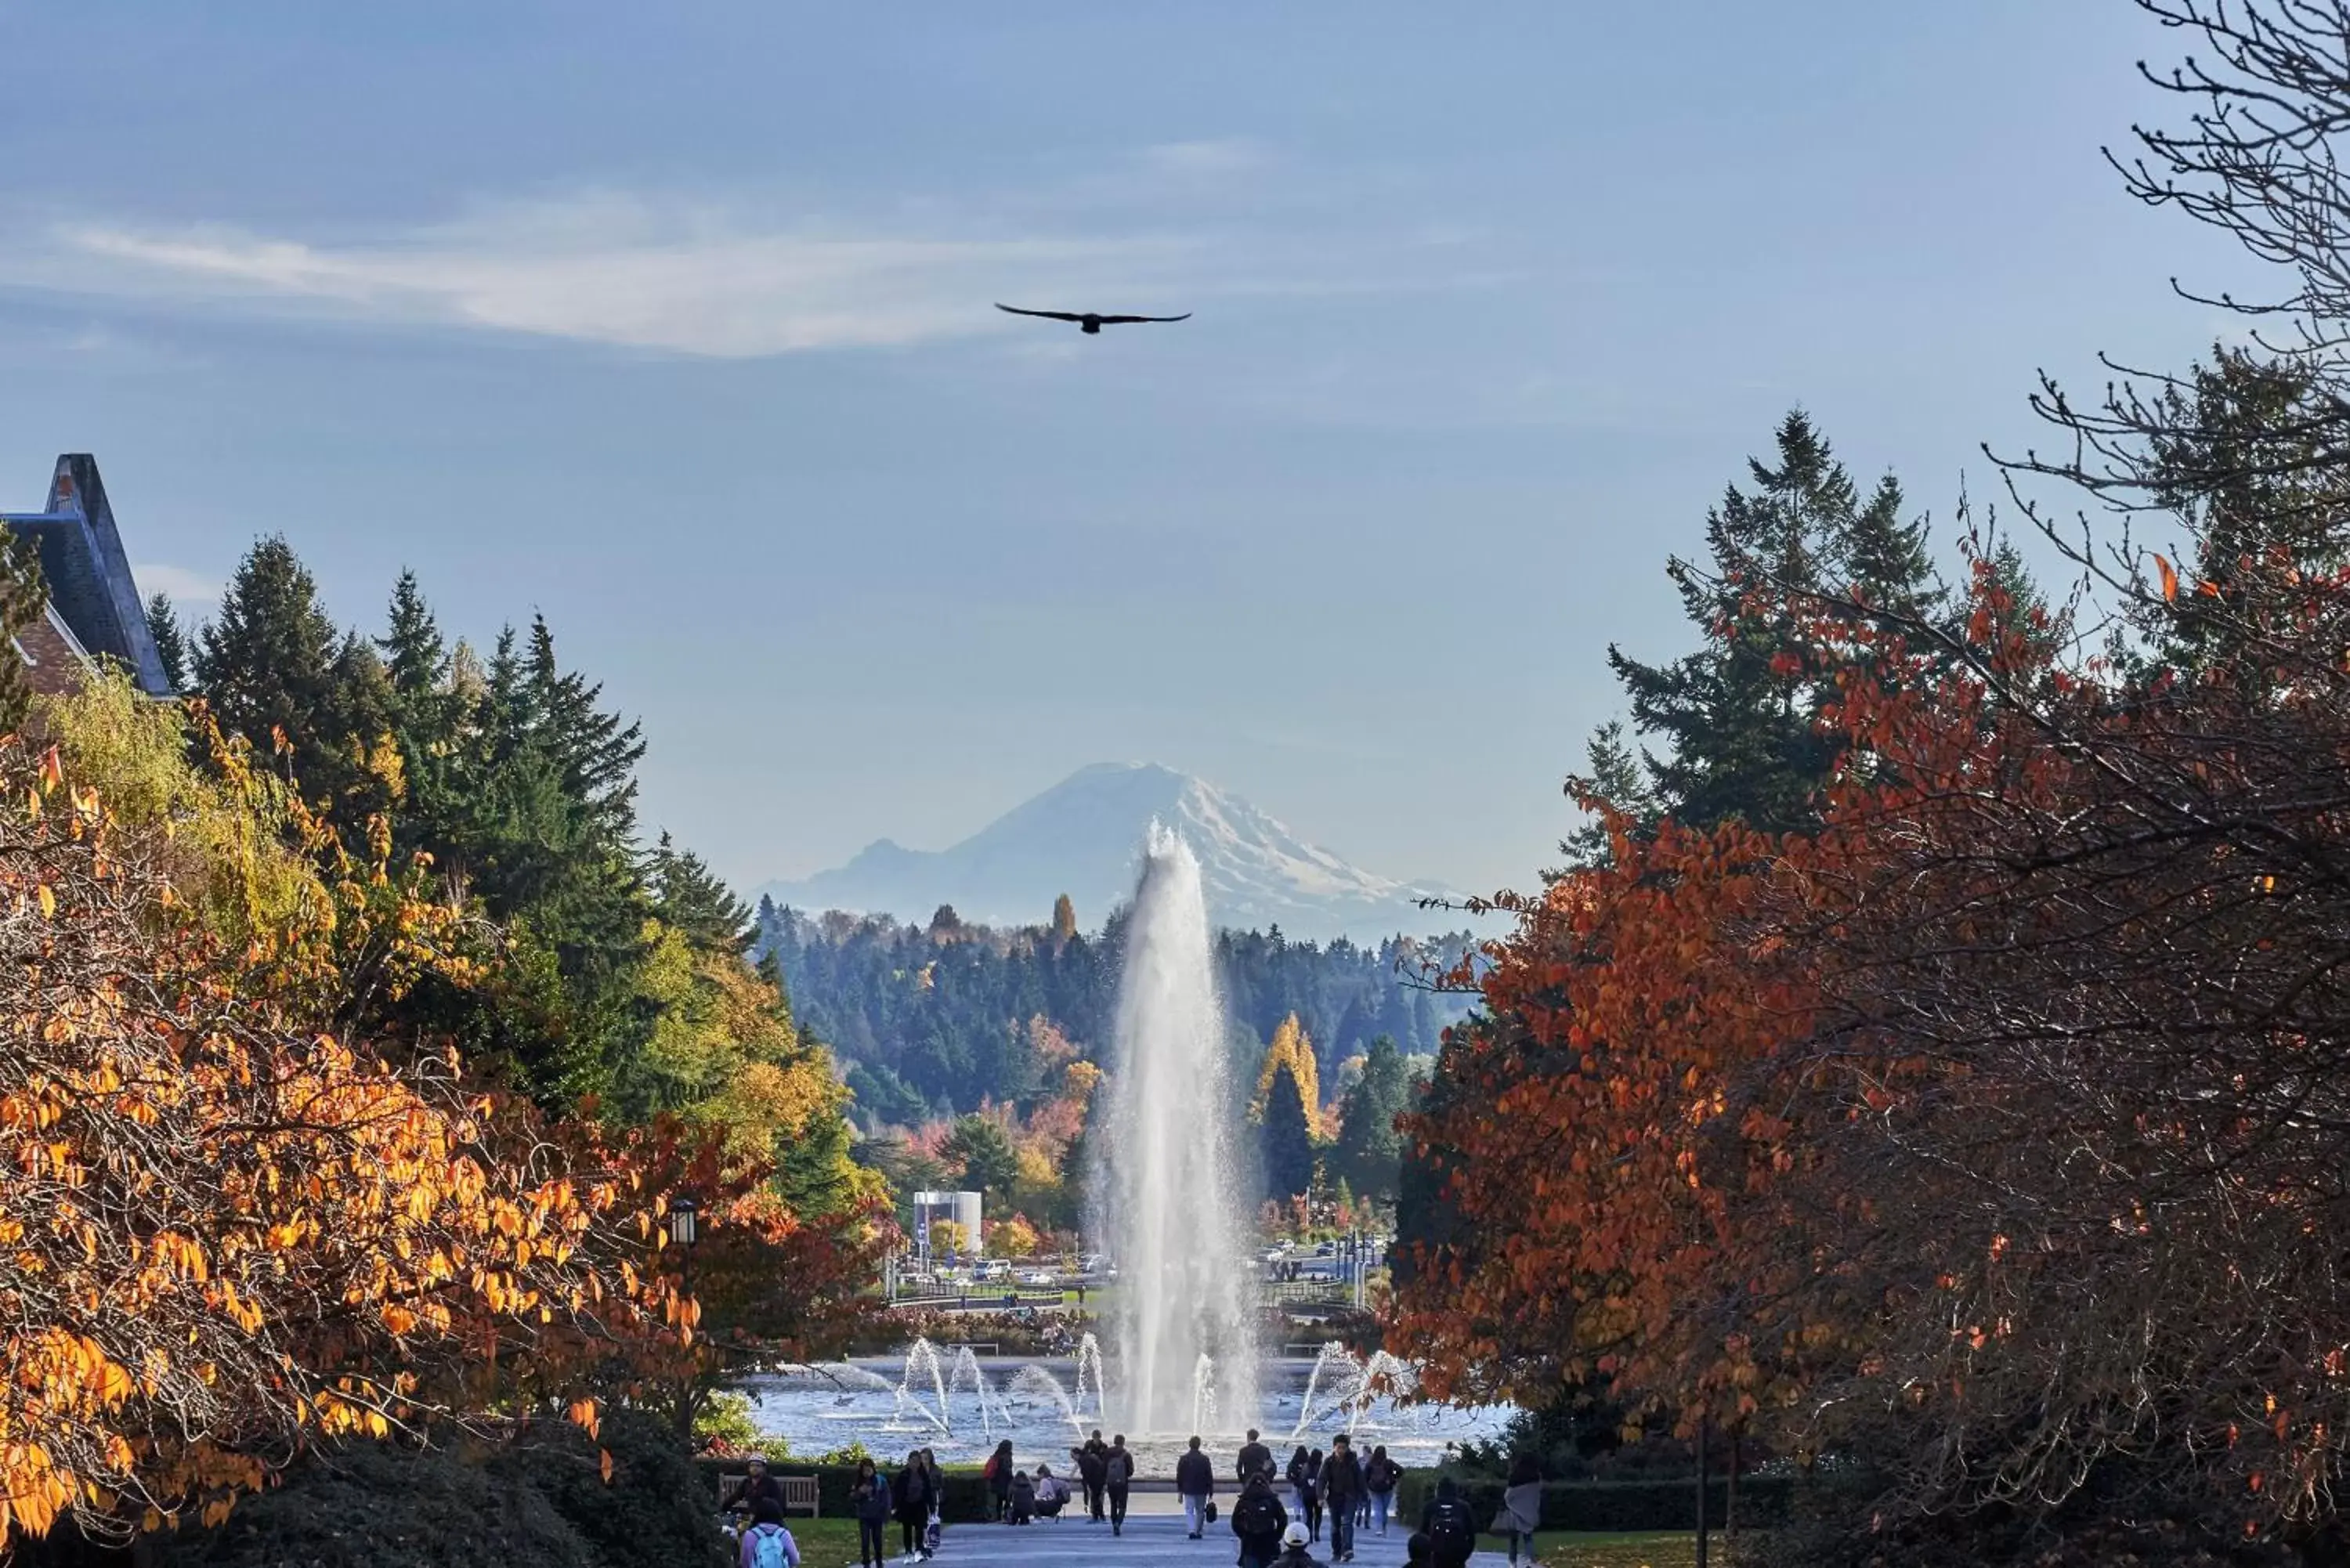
<point x="1087" y="320"/>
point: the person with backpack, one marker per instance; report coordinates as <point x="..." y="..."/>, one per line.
<point x="1520" y="1513"/>
<point x="1052" y="1493"/>
<point x="1379" y="1479"/>
<point x="1298" y="1477"/>
<point x="1195" y="1483"/>
<point x="1258" y="1518"/>
<point x="868" y="1496"/>
<point x="914" y="1497"/>
<point x="1342" y="1489"/>
<point x="1449" y="1526"/>
<point x="767" y="1544"/>
<point x="1118" y="1473"/>
<point x="997" y="1473"/>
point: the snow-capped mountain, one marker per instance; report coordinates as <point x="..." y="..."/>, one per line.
<point x="1084" y="837"/>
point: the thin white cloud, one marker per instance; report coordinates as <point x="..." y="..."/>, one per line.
<point x="1215" y="157"/>
<point x="614" y="271"/>
<point x="187" y="588"/>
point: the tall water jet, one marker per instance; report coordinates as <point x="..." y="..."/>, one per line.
<point x="1170" y="1205"/>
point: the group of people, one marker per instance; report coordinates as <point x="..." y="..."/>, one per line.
<point x="1346" y="1490"/>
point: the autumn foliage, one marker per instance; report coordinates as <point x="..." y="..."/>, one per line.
<point x="1996" y="1131"/>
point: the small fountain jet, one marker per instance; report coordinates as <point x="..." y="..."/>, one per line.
<point x="1088" y="321"/>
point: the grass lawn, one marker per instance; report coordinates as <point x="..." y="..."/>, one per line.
<point x="830" y="1543"/>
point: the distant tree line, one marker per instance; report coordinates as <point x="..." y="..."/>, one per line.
<point x="934" y="1020"/>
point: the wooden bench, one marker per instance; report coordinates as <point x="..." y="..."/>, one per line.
<point x="799" y="1491"/>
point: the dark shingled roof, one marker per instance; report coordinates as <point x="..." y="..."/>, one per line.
<point x="87" y="575"/>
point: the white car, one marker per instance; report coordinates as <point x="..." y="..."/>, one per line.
<point x="1035" y="1276"/>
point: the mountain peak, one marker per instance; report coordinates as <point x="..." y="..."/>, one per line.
<point x="1083" y="836"/>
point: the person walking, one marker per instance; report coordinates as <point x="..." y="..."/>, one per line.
<point x="767" y="1544"/>
<point x="912" y="1495"/>
<point x="1449" y="1526"/>
<point x="1342" y="1489"/>
<point x="868" y="1496"/>
<point x="998" y="1475"/>
<point x="1258" y="1518"/>
<point x="1381" y="1475"/>
<point x="1298" y="1476"/>
<point x="1093" y="1463"/>
<point x="1118" y="1473"/>
<point x="1293" y="1551"/>
<point x="938" y="1484"/>
<point x="1195" y="1483"/>
<point x="1520" y="1513"/>
<point x="1254" y="1459"/>
<point x="1314" y="1495"/>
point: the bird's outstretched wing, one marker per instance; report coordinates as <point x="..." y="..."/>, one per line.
<point x="1051" y="314"/>
<point x="1113" y="320"/>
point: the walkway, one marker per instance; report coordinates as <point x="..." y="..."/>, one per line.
<point x="1152" y="1540"/>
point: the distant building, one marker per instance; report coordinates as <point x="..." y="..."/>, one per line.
<point x="930" y="1208"/>
<point x="94" y="605"/>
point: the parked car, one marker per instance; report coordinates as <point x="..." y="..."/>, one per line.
<point x="1036" y="1276"/>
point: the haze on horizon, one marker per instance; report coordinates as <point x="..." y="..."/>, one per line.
<point x="677" y="326"/>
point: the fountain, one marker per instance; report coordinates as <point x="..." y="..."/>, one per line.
<point x="922" y="1355"/>
<point x="1170" y="1207"/>
<point x="1089" y="1355"/>
<point x="1357" y="1385"/>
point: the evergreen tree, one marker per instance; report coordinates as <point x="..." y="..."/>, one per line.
<point x="266" y="661"/>
<point x="1736" y="717"/>
<point x="1369" y="1152"/>
<point x="980" y="1151"/>
<point x="1287" y="1138"/>
<point x="171" y="639"/>
<point x="690" y="897"/>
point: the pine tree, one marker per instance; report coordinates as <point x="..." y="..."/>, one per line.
<point x="171" y="639"/>
<point x="1369" y="1152"/>
<point x="266" y="660"/>
<point x="691" y="897"/>
<point x="1287" y="1138"/>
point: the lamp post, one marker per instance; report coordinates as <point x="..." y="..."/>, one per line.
<point x="684" y="1230"/>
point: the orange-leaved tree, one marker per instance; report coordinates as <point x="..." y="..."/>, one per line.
<point x="228" y="1227"/>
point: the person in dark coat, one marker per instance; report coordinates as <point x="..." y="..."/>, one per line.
<point x="1342" y="1491"/>
<point x="1023" y="1498"/>
<point x="1195" y="1483"/>
<point x="912" y="1491"/>
<point x="1450" y="1525"/>
<point x="1293" y="1551"/>
<point x="1299" y="1478"/>
<point x="869" y="1495"/>
<point x="1118" y="1473"/>
<point x="1254" y="1459"/>
<point x="758" y="1487"/>
<point x="1381" y="1475"/>
<point x="1258" y="1518"/>
<point x="1314" y="1495"/>
<point x="1093" y="1464"/>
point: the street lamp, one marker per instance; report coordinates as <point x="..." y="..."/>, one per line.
<point x="684" y="1230"/>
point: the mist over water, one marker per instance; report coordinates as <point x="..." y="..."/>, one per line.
<point x="1170" y="1207"/>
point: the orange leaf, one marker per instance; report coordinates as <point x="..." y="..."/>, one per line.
<point x="604" y="1464"/>
<point x="2169" y="578"/>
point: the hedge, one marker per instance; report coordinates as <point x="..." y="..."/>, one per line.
<point x="965" y="1500"/>
<point x="1613" y="1505"/>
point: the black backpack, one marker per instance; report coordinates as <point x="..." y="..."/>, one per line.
<point x="1452" y="1527"/>
<point x="1256" y="1514"/>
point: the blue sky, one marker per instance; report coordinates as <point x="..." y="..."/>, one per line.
<point x="674" y="323"/>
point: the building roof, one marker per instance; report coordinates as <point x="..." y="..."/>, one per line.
<point x="91" y="591"/>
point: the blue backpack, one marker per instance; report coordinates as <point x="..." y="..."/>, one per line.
<point x="770" y="1551"/>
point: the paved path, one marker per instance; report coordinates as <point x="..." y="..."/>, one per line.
<point x="1152" y="1540"/>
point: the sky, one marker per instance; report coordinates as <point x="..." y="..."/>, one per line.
<point x="675" y="324"/>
